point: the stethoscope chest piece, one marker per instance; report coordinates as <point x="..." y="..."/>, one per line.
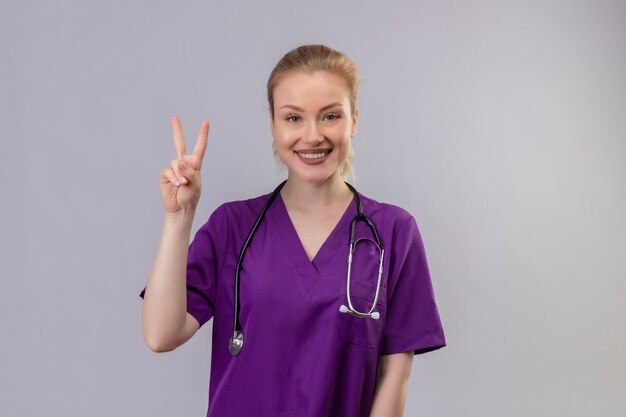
<point x="236" y="343"/>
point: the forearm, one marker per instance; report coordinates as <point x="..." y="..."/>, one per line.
<point x="165" y="301"/>
<point x="392" y="385"/>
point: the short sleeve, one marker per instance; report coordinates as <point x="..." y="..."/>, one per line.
<point x="413" y="322"/>
<point x="204" y="260"/>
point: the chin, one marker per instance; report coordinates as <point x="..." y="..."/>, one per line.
<point x="314" y="178"/>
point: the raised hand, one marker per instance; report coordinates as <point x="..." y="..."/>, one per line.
<point x="180" y="180"/>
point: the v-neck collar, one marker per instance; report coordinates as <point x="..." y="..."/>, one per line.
<point x="336" y="242"/>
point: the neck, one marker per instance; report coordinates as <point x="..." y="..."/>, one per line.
<point x="311" y="196"/>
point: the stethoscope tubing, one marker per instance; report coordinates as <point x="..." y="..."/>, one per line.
<point x="236" y="323"/>
<point x="236" y="341"/>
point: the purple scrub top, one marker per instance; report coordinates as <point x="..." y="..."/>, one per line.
<point x="301" y="356"/>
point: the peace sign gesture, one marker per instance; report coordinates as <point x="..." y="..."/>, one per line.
<point x="180" y="180"/>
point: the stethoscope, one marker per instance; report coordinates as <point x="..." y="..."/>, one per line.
<point x="236" y="341"/>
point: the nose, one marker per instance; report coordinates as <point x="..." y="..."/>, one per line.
<point x="313" y="133"/>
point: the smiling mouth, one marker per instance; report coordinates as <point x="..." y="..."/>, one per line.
<point x="313" y="153"/>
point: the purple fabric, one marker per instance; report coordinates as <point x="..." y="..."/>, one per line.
<point x="301" y="356"/>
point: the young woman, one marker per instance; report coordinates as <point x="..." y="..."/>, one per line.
<point x="297" y="329"/>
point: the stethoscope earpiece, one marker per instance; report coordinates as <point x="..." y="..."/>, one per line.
<point x="374" y="314"/>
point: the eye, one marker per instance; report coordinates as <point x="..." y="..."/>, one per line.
<point x="291" y="118"/>
<point x="332" y="116"/>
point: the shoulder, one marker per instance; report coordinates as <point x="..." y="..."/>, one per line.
<point x="242" y="208"/>
<point x="234" y="215"/>
<point x="388" y="213"/>
<point x="396" y="225"/>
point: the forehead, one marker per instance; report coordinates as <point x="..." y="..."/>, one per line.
<point x="317" y="88"/>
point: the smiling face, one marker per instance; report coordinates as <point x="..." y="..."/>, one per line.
<point x="312" y="124"/>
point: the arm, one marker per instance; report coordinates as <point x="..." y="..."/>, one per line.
<point x="392" y="385"/>
<point x="166" y="323"/>
<point x="165" y="320"/>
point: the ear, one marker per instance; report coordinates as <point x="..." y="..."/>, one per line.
<point x="354" y="120"/>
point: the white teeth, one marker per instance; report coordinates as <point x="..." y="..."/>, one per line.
<point x="313" y="155"/>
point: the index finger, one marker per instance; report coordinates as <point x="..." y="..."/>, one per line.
<point x="201" y="143"/>
<point x="179" y="140"/>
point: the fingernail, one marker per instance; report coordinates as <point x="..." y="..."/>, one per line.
<point x="183" y="179"/>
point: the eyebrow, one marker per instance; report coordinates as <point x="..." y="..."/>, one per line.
<point x="291" y="106"/>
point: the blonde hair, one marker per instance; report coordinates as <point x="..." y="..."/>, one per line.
<point x="310" y="58"/>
